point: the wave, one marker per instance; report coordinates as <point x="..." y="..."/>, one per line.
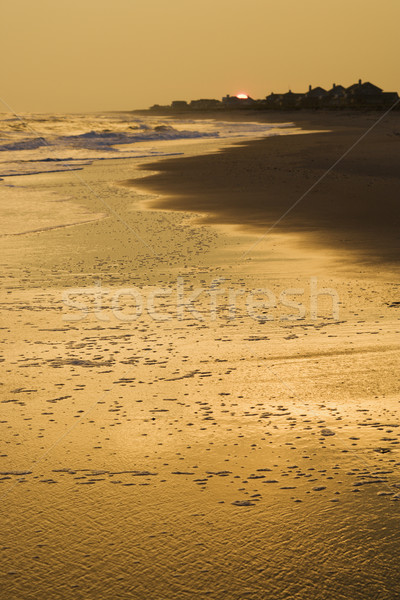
<point x="106" y="140"/>
<point x="29" y="144"/>
<point x="45" y="165"/>
<point x="33" y="144"/>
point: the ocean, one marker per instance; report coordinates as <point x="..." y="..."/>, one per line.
<point x="43" y="143"/>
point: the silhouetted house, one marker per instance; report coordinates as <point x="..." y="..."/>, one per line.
<point x="366" y="95"/>
<point x="179" y="105"/>
<point x="317" y="92"/>
<point x="314" y="97"/>
<point x="364" y="89"/>
<point x="335" y="89"/>
<point x="290" y="100"/>
<point x="233" y="102"/>
<point x="260" y="105"/>
<point x="390" y="98"/>
<point x="273" y="100"/>
<point x="358" y="96"/>
<point x="336" y="97"/>
<point x="160" y="107"/>
<point x="205" y="104"/>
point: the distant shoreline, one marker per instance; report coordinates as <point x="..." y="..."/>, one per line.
<point x="310" y="119"/>
<point x="165" y="111"/>
<point x="362" y="95"/>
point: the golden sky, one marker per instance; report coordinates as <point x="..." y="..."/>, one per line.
<point x="79" y="55"/>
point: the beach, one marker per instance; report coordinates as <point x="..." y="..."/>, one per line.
<point x="342" y="178"/>
<point x="191" y="411"/>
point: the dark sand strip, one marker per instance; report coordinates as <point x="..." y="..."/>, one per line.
<point x="356" y="207"/>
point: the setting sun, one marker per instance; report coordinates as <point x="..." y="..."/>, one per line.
<point x="242" y="96"/>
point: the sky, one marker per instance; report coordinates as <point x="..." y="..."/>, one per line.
<point x="94" y="55"/>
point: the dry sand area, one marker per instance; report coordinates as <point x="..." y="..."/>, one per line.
<point x="198" y="453"/>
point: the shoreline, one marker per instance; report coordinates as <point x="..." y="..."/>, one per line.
<point x="187" y="419"/>
<point x="253" y="184"/>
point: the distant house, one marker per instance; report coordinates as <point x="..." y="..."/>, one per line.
<point x="160" y="107"/>
<point x="237" y="101"/>
<point x="205" y="104"/>
<point x="364" y="89"/>
<point x="336" y="97"/>
<point x="314" y="97"/>
<point x="389" y="98"/>
<point x="273" y="100"/>
<point x="290" y="100"/>
<point x="179" y="105"/>
<point x="368" y="95"/>
<point x="317" y="92"/>
<point x="361" y="95"/>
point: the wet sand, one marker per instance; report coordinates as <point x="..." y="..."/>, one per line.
<point x="229" y="456"/>
<point x="354" y="206"/>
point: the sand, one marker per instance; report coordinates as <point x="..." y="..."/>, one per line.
<point x="343" y="181"/>
<point x="199" y="451"/>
